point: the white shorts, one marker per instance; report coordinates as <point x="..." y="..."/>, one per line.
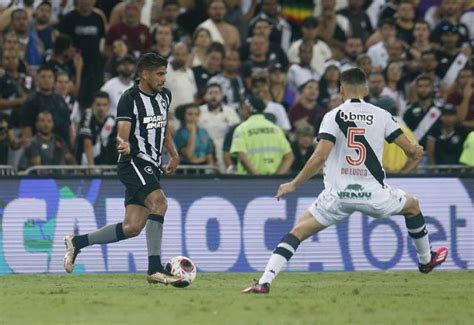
<point x="329" y="208"/>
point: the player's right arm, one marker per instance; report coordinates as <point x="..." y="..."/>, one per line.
<point x="312" y="166"/>
<point x="124" y="120"/>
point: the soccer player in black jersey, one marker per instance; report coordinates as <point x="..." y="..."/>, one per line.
<point x="142" y="115"/>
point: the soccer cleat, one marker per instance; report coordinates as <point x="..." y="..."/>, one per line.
<point x="71" y="254"/>
<point x="258" y="288"/>
<point x="437" y="258"/>
<point x="163" y="278"/>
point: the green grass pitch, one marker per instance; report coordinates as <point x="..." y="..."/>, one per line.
<point x="295" y="298"/>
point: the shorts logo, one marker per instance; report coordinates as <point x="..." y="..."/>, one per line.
<point x="354" y="191"/>
<point x="363" y="117"/>
<point x="148" y="170"/>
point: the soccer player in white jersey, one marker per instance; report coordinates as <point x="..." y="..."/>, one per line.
<point x="350" y="148"/>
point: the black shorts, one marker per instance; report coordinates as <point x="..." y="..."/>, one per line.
<point x="140" y="178"/>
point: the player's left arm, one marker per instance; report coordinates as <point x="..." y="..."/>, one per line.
<point x="312" y="166"/>
<point x="172" y="164"/>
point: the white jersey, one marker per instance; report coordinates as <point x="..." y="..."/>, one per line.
<point x="358" y="131"/>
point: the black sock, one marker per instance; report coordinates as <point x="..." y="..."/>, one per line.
<point x="154" y="264"/>
<point x="80" y="241"/>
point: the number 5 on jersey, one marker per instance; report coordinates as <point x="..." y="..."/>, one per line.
<point x="352" y="143"/>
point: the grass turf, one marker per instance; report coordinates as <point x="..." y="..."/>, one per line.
<point x="296" y="298"/>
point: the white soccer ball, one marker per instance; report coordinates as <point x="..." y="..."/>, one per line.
<point x="182" y="266"/>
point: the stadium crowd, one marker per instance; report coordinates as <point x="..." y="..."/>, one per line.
<point x="64" y="65"/>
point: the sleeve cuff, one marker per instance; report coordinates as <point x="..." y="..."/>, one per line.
<point x="395" y="134"/>
<point x="326" y="136"/>
<point x="123" y="118"/>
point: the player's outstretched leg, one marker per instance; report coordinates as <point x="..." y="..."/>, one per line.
<point x="135" y="218"/>
<point x="417" y="230"/>
<point x="157" y="205"/>
<point x="306" y="227"/>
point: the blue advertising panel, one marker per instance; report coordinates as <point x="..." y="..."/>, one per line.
<point x="224" y="225"/>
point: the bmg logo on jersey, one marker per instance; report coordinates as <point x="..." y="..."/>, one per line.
<point x="154" y="122"/>
<point x="367" y="118"/>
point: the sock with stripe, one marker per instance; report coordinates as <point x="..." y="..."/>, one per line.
<point x="282" y="254"/>
<point x="154" y="235"/>
<point x="419" y="233"/>
<point x="105" y="235"/>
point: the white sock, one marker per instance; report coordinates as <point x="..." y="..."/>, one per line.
<point x="419" y="233"/>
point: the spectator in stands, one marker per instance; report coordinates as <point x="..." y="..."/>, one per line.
<point x="378" y="52"/>
<point x="329" y="82"/>
<point x="321" y="51"/>
<point x="163" y="40"/>
<point x="13" y="91"/>
<point x="201" y="42"/>
<point x="192" y="14"/>
<point x="30" y="46"/>
<point x="217" y="119"/>
<point x="260" y="145"/>
<point x="193" y="143"/>
<point x="211" y="67"/>
<point x="361" y="26"/>
<point x="281" y="32"/>
<point x="428" y="65"/>
<point x="421" y="43"/>
<point x="221" y="31"/>
<point x="180" y="79"/>
<point x="120" y="49"/>
<point x="239" y="15"/>
<point x="445" y="142"/>
<point x="467" y="156"/>
<point x="63" y="88"/>
<point x="45" y="100"/>
<point x="87" y="28"/>
<point x="65" y="58"/>
<point x="306" y="112"/>
<point x="131" y="30"/>
<point x="364" y="62"/>
<point x="43" y="25"/>
<point x="334" y="28"/>
<point x="352" y="49"/>
<point x="280" y="90"/>
<point x="449" y="12"/>
<point x="258" y="58"/>
<point x="452" y="57"/>
<point x="96" y="138"/>
<point x="170" y="17"/>
<point x="47" y="148"/>
<point x="462" y="98"/>
<point x="405" y="21"/>
<point x="7" y="140"/>
<point x="335" y="101"/>
<point x="230" y="80"/>
<point x="260" y="86"/>
<point x="377" y="97"/>
<point x="299" y="72"/>
<point x="263" y="27"/>
<point x="395" y="85"/>
<point x="115" y="87"/>
<point x="422" y="116"/>
<point x="302" y="147"/>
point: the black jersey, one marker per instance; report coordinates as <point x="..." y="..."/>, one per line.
<point x="148" y="115"/>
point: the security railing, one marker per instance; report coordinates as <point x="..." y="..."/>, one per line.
<point x="6" y="170"/>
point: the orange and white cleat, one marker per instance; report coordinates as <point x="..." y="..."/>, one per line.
<point x="258" y="288"/>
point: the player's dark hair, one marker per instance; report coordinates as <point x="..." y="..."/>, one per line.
<point x="46" y="68"/>
<point x="180" y="111"/>
<point x="216" y="47"/>
<point x="62" y="43"/>
<point x="14" y="12"/>
<point x="353" y="77"/>
<point x="213" y="84"/>
<point x="150" y="61"/>
<point x="101" y="94"/>
<point x="423" y="77"/>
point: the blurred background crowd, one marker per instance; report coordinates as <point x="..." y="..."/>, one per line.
<point x="65" y="63"/>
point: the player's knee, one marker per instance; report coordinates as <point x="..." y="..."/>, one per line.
<point x="131" y="230"/>
<point x="158" y="205"/>
<point x="413" y="208"/>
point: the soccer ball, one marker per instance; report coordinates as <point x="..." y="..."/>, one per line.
<point x="182" y="266"/>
